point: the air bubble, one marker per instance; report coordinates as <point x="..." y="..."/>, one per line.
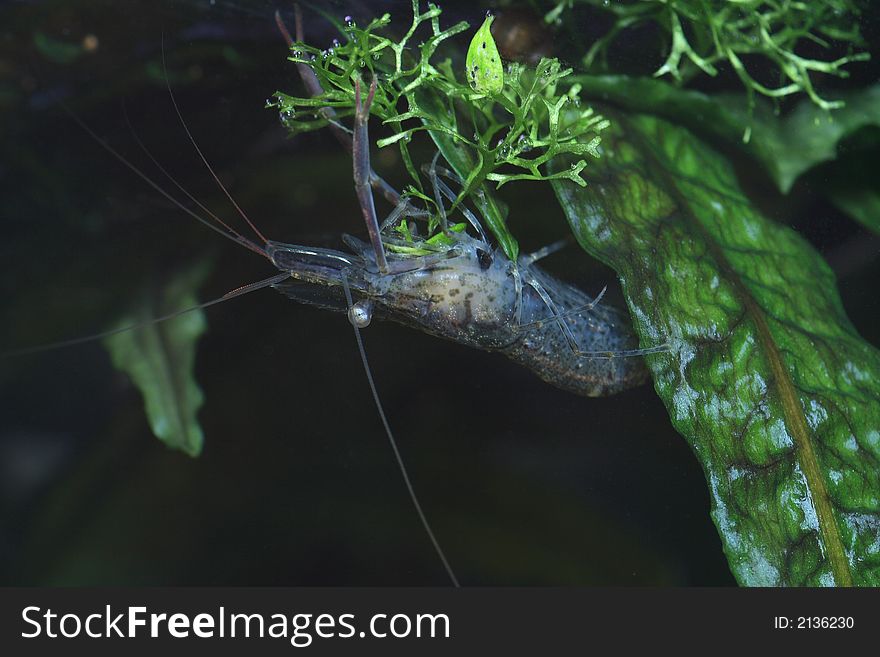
<point x="361" y="314"/>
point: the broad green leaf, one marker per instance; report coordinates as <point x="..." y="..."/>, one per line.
<point x="862" y="204"/>
<point x="851" y="182"/>
<point x="793" y="144"/>
<point x="787" y="146"/>
<point x="485" y="72"/>
<point x="767" y="380"/>
<point x="160" y="358"/>
<point x="55" y="50"/>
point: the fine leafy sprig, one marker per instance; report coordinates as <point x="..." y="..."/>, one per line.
<point x="705" y="33"/>
<point x="499" y="137"/>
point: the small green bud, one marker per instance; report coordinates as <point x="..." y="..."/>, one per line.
<point x="485" y="73"/>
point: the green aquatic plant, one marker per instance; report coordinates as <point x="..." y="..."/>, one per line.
<point x="160" y="357"/>
<point x="786" y="146"/>
<point x="770" y="384"/>
<point x="703" y="34"/>
<point x="495" y="134"/>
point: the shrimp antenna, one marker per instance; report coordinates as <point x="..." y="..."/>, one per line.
<point x="171" y="178"/>
<point x="225" y="231"/>
<point x="199" y="150"/>
<point x="397" y="456"/>
<point x="232" y="294"/>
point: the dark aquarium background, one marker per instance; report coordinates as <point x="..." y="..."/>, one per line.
<point x="297" y="485"/>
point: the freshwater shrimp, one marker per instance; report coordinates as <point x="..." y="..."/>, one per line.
<point x="433" y="296"/>
<point x="470" y="292"/>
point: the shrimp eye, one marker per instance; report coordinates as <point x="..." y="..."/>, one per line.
<point x="485" y="258"/>
<point x="360" y="314"/>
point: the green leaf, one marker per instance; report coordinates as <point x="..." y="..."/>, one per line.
<point x="786" y="146"/>
<point x="766" y="378"/>
<point x="483" y="66"/>
<point x="55" y="50"/>
<point x="791" y="145"/>
<point x="861" y="204"/>
<point x="850" y="182"/>
<point x="160" y="358"/>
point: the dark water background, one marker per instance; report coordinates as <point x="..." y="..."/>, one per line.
<point x="524" y="484"/>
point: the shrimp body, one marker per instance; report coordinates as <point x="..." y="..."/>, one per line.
<point x="477" y="299"/>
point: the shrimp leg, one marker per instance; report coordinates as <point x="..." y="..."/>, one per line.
<point x="361" y="168"/>
<point x="442" y="189"/>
